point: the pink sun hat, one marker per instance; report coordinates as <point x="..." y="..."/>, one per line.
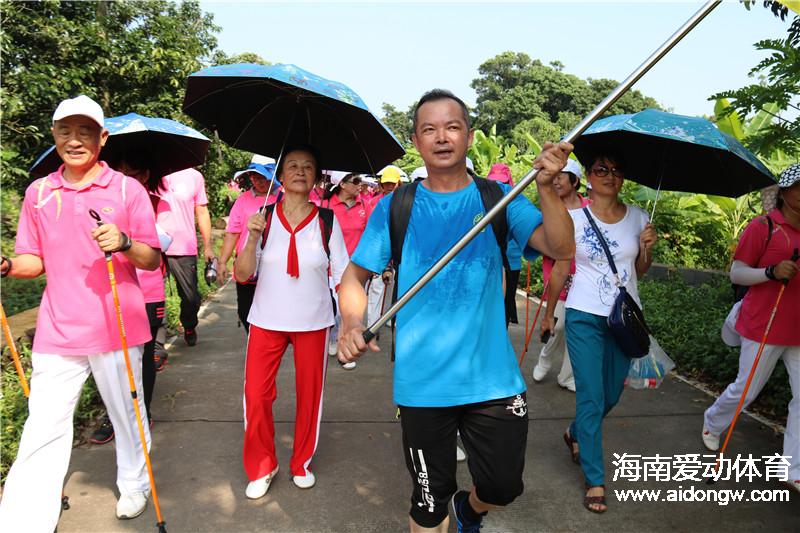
<point x="500" y="172"/>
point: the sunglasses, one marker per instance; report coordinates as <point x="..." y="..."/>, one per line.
<point x="602" y="172"/>
<point x="354" y="181"/>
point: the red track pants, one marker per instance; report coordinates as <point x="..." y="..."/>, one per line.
<point x="265" y="348"/>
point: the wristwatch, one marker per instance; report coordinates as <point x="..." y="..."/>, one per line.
<point x="127" y="242"/>
<point x="7" y="271"/>
<point x="770" y="273"/>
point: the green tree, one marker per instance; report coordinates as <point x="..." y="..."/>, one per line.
<point x="398" y="121"/>
<point x="129" y="56"/>
<point x="513" y="88"/>
<point x="776" y="93"/>
<point x="221" y="58"/>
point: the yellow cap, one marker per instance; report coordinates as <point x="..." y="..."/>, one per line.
<point x="390" y="175"/>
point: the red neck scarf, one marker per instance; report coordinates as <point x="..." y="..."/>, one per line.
<point x="292" y="265"/>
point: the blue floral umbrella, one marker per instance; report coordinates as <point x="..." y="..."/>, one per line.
<point x="676" y="153"/>
<point x="264" y="108"/>
<point x="172" y="146"/>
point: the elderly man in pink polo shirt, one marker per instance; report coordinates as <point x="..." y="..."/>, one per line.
<point x="77" y="332"/>
<point x="186" y="195"/>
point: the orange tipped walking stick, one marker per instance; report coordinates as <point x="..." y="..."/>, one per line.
<point x="795" y="257"/>
<point x="131" y="383"/>
<point x="533" y="325"/>
<point x="527" y="296"/>
<point x="23" y="381"/>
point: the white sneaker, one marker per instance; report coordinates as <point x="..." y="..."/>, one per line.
<point x="569" y="385"/>
<point x="540" y="371"/>
<point x="305" y="482"/>
<point x="710" y="440"/>
<point x="258" y="488"/>
<point x="333" y="348"/>
<point x="131" y="504"/>
<point x="348" y="366"/>
<point x="460" y="455"/>
<point x="793" y="484"/>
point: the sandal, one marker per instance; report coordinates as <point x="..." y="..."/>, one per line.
<point x="576" y="455"/>
<point x="588" y="501"/>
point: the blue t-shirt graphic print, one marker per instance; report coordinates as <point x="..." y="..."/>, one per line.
<point x="452" y="346"/>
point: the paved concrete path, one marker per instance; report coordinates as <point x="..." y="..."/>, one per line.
<point x="362" y="484"/>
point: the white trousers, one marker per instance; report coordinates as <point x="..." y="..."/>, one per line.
<point x="557" y="346"/>
<point x="720" y="415"/>
<point x="32" y="494"/>
<point x="379" y="296"/>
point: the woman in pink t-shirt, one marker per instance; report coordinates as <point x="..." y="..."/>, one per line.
<point x="246" y="204"/>
<point x="763" y="261"/>
<point x="298" y="258"/>
<point x="566" y="184"/>
<point x="350" y="208"/>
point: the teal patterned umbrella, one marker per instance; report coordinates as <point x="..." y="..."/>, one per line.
<point x="676" y="153"/>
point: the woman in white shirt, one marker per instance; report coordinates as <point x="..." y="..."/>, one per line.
<point x="297" y="266"/>
<point x="599" y="365"/>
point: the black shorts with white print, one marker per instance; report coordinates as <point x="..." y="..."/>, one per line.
<point x="494" y="434"/>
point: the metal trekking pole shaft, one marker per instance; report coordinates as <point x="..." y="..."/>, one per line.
<point x="23" y="381"/>
<point x="601" y="108"/>
<point x="131" y="382"/>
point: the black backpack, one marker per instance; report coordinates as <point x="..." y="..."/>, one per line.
<point x="403" y="200"/>
<point x="740" y="290"/>
<point x="400" y="212"/>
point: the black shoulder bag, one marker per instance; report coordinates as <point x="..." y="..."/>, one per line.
<point x="626" y="320"/>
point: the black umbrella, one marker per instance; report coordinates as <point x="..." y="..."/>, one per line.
<point x="263" y="108"/>
<point x="676" y="153"/>
<point x="170" y="145"/>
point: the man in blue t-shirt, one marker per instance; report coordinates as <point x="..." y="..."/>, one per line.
<point x="455" y="369"/>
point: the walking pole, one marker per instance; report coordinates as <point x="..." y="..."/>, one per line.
<point x="795" y="257"/>
<point x="533" y="325"/>
<point x="527" y="297"/>
<point x="131" y="383"/>
<point x="23" y="381"/>
<point x="601" y="108"/>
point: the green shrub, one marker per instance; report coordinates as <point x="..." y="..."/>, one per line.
<point x="687" y="321"/>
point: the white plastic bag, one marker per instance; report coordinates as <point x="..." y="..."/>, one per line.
<point x="649" y="371"/>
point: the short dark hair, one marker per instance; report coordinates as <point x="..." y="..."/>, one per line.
<point x="611" y="154"/>
<point x="439" y="94"/>
<point x="300" y="148"/>
<point x="139" y="159"/>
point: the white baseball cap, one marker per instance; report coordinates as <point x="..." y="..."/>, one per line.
<point x="336" y="177"/>
<point x="80" y="105"/>
<point x="262" y="159"/>
<point x="573" y="167"/>
<point x="420" y="173"/>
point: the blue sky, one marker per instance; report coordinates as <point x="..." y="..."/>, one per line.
<point x="394" y="51"/>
